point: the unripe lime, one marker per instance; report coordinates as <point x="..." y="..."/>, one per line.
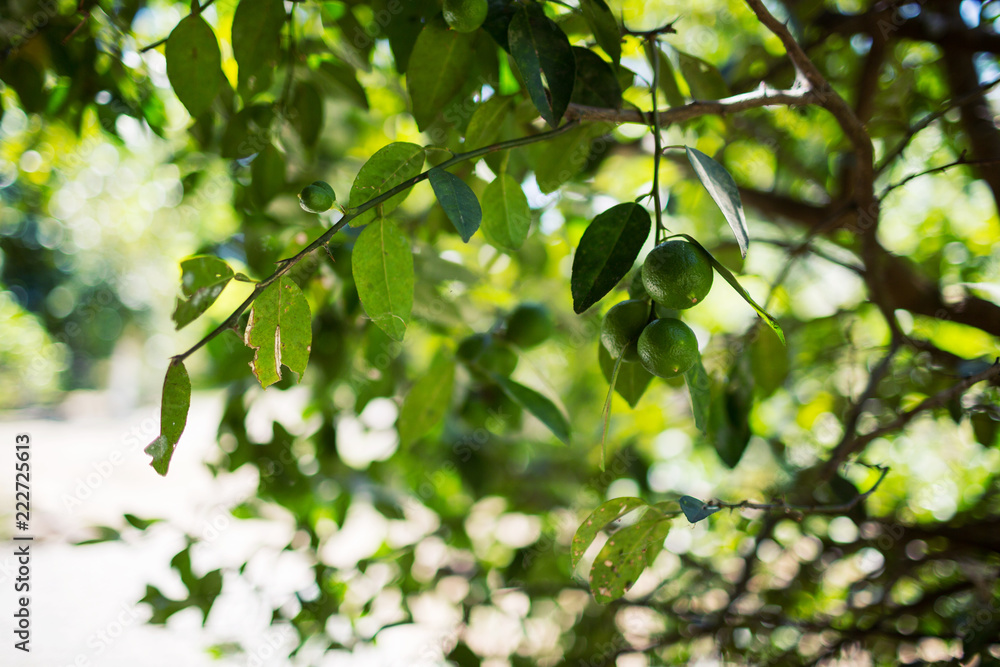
<point x="529" y="325"/>
<point x="471" y="347"/>
<point x="498" y="358"/>
<point x="621" y="328"/>
<point x="317" y="197"/>
<point x="668" y="348"/>
<point x="465" y="15"/>
<point x="677" y="274"/>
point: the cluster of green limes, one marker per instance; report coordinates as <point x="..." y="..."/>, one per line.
<point x="527" y="326"/>
<point x="676" y="275"/>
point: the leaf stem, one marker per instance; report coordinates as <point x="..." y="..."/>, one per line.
<point x="654" y="55"/>
<point x="286" y="265"/>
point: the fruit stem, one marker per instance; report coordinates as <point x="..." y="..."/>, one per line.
<point x="654" y="55"/>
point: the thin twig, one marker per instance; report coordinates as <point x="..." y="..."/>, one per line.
<point x="960" y="161"/>
<point x="160" y="42"/>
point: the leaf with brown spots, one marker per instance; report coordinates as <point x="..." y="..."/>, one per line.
<point x="598" y="519"/>
<point x="626" y="554"/>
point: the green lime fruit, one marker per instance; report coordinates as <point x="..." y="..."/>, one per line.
<point x="667" y="348"/>
<point x="498" y="358"/>
<point x="465" y="15"/>
<point x="317" y="197"/>
<point x="529" y="325"/>
<point x="677" y="274"/>
<point x="473" y="346"/>
<point x="621" y="328"/>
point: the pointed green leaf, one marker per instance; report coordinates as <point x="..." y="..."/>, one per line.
<point x="484" y="126"/>
<point x="558" y="160"/>
<point x="279" y="331"/>
<point x="720" y="184"/>
<point x="458" y="201"/>
<point x="307" y="119"/>
<point x="700" y="390"/>
<point x="267" y="175"/>
<point x="695" y="510"/>
<point x="612" y="510"/>
<point x="203" y="278"/>
<point x="387" y="168"/>
<point x="538" y="405"/>
<point x="257" y="37"/>
<point x="632" y="379"/>
<point x="427" y="401"/>
<point x="437" y="69"/>
<point x="735" y="284"/>
<point x="194" y="64"/>
<point x="729" y="419"/>
<point x="625" y="555"/>
<point x="506" y="214"/>
<point x="606" y="31"/>
<point x="607" y="252"/>
<point x="668" y="77"/>
<point x="173" y="416"/>
<point x="596" y="84"/>
<point x="345" y="80"/>
<point x="703" y="78"/>
<point x="382" y="264"/>
<point x="542" y="54"/>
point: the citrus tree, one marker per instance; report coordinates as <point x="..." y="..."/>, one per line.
<point x="664" y="330"/>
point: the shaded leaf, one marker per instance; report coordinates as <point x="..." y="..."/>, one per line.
<point x="538" y="405"/>
<point x="203" y="278"/>
<point x="703" y="78"/>
<point x="194" y="64"/>
<point x="382" y="265"/>
<point x="174" y="405"/>
<point x="700" y="389"/>
<point x="257" y="37"/>
<point x="387" y="168"/>
<point x="625" y="555"/>
<point x="632" y="379"/>
<point x="695" y="510"/>
<point x="606" y="31"/>
<point x="279" y="331"/>
<point x="307" y="118"/>
<point x="458" y="201"/>
<point x="437" y="69"/>
<point x="668" y="77"/>
<point x="426" y="403"/>
<point x="720" y="184"/>
<point x="506" y="214"/>
<point x="607" y="251"/>
<point x="558" y="160"/>
<point x="729" y="418"/>
<point x="542" y="54"/>
<point x="596" y="522"/>
<point x="596" y="84"/>
<point x="247" y="132"/>
<point x="267" y="175"/>
<point x="345" y="79"/>
<point x="735" y="284"/>
<point x="484" y="126"/>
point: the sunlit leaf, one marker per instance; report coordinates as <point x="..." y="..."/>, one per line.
<point x="487" y="119"/>
<point x="194" y="64"/>
<point x="382" y="264"/>
<point x="544" y="58"/>
<point x="203" y="278"/>
<point x="257" y="37"/>
<point x="387" y="168"/>
<point x="703" y="78"/>
<point x="279" y="331"/>
<point x="458" y="201"/>
<point x="506" y="214"/>
<point x="597" y="521"/>
<point x="538" y="405"/>
<point x="607" y="251"/>
<point x="427" y="402"/>
<point x="720" y="184"/>
<point x="438" y="66"/>
<point x="625" y="555"/>
<point x="174" y="405"/>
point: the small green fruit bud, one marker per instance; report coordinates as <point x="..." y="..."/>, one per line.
<point x="317" y="197"/>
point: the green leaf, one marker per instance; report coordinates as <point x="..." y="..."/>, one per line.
<point x="720" y="184"/>
<point x="607" y="252"/>
<point x="735" y="284"/>
<point x="387" y="168"/>
<point x="458" y="201"/>
<point x="558" y="160"/>
<point x="247" y="132"/>
<point x="596" y="84"/>
<point x="703" y="78"/>
<point x="345" y="79"/>
<point x="632" y="379"/>
<point x="141" y="524"/>
<point x="591" y="527"/>
<point x="729" y="418"/>
<point x="536" y="404"/>
<point x="484" y="126"/>
<point x="427" y="401"/>
<point x="542" y="54"/>
<point x="257" y="37"/>
<point x="267" y="176"/>
<point x="279" y="331"/>
<point x="307" y="119"/>
<point x="438" y="68"/>
<point x="606" y="31"/>
<point x="700" y="389"/>
<point x="506" y="214"/>
<point x="695" y="510"/>
<point x="194" y="64"/>
<point x="382" y="264"/>
<point x="173" y="416"/>
<point x="668" y="77"/>
<point x="203" y="278"/>
<point x="625" y="555"/>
